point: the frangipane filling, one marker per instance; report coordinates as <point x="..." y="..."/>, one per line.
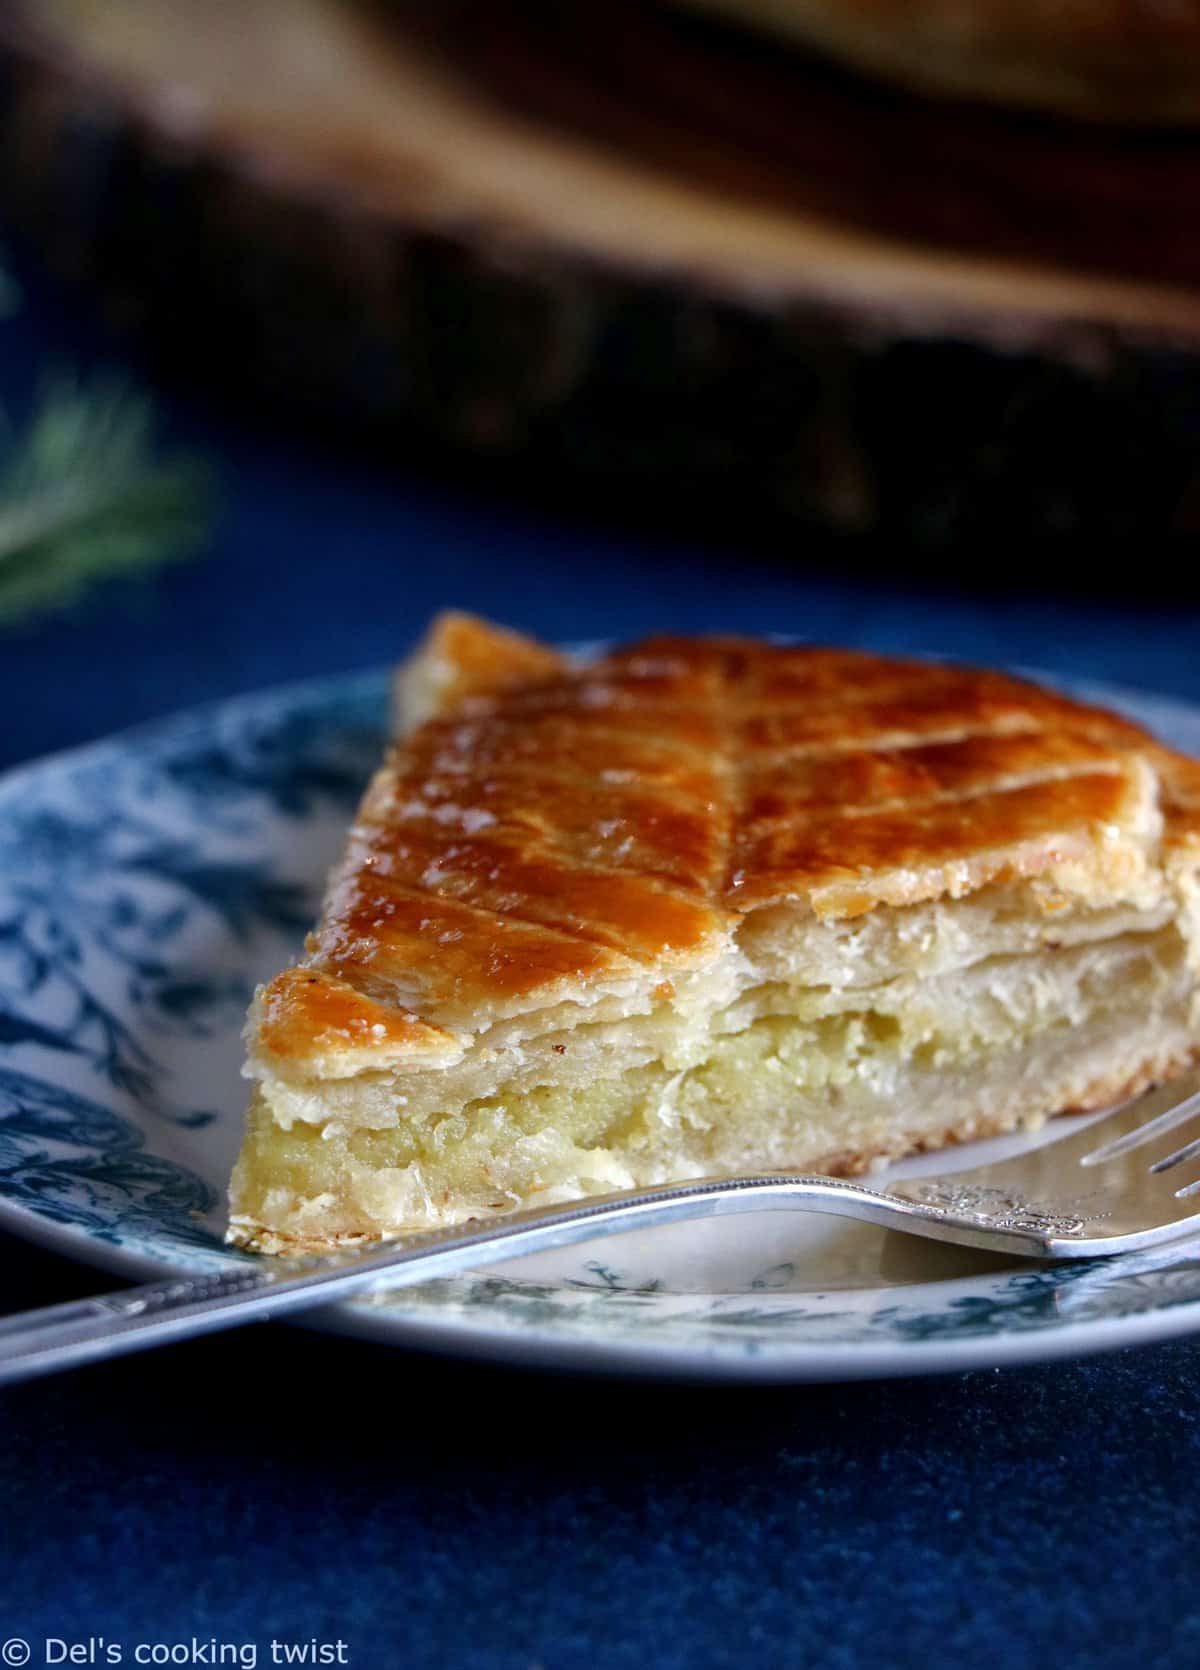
<point x="795" y="1051"/>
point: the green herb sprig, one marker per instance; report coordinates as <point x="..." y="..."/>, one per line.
<point x="84" y="496"/>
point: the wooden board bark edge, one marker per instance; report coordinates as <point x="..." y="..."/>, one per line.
<point x="625" y="380"/>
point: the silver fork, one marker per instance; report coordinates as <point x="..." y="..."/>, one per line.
<point x="1109" y="1185"/>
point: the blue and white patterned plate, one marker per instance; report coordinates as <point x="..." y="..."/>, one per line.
<point x="148" y="882"/>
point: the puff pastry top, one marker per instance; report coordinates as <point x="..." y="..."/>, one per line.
<point x="551" y="831"/>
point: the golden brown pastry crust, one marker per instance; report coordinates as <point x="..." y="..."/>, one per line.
<point x="462" y="657"/>
<point x="556" y="829"/>
<point x="307" y="1014"/>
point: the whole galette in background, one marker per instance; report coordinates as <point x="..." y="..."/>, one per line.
<point x="1103" y="60"/>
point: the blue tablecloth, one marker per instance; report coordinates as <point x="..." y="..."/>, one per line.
<point x="278" y="1484"/>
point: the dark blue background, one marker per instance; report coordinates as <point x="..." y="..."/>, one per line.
<point x="435" y="1514"/>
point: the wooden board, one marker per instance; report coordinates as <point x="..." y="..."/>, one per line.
<point x="628" y="249"/>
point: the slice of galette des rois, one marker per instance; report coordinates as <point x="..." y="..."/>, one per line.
<point x="704" y="905"/>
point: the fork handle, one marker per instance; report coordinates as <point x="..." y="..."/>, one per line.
<point x="257" y="1289"/>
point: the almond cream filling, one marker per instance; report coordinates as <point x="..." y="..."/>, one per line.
<point x="784" y="1074"/>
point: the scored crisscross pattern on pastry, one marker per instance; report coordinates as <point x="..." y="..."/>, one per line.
<point x="600" y="820"/>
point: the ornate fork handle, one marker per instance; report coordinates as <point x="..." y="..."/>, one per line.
<point x="61" y="1336"/>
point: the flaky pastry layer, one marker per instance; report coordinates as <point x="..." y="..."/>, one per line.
<point x="712" y="903"/>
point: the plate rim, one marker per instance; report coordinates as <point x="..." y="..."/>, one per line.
<point x="828" y="1363"/>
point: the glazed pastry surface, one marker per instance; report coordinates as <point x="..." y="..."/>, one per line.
<point x="586" y="908"/>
